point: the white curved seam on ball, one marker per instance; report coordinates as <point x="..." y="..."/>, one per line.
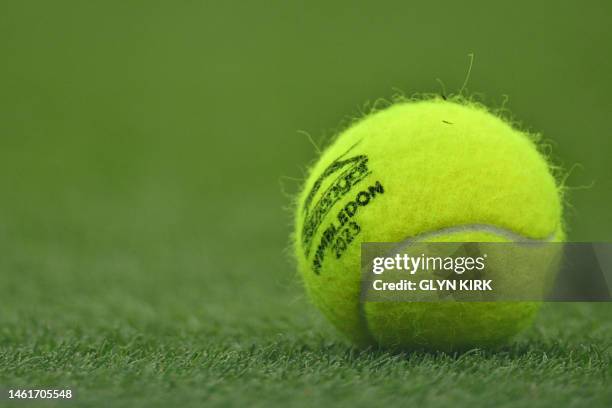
<point x="511" y="235"/>
<point x="506" y="233"/>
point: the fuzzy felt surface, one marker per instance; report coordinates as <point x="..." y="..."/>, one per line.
<point x="407" y="171"/>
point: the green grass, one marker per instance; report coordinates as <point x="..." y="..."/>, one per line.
<point x="130" y="311"/>
<point x="288" y="360"/>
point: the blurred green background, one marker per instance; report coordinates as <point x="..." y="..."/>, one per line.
<point x="148" y="148"/>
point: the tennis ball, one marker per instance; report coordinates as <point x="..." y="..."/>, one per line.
<point x="430" y="170"/>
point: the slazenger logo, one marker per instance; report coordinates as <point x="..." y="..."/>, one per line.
<point x="345" y="174"/>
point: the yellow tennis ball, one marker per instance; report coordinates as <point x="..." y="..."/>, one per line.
<point x="432" y="170"/>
